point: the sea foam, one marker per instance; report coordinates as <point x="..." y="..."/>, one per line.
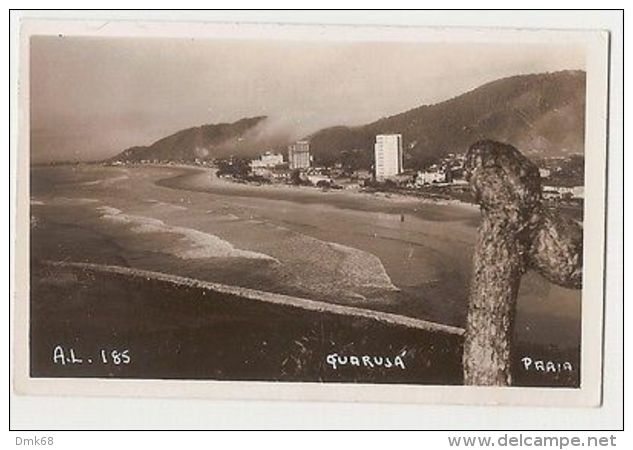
<point x="332" y="269"/>
<point x="363" y="268"/>
<point x="72" y="201"/>
<point x="105" y="181"/>
<point x="193" y="244"/>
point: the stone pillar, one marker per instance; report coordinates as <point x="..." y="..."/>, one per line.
<point x="516" y="233"/>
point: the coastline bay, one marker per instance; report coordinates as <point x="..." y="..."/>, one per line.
<point x="420" y="265"/>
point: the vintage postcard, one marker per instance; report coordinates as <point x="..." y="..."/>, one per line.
<point x="311" y="212"/>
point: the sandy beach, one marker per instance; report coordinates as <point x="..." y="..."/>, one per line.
<point x="205" y="180"/>
<point x="395" y="254"/>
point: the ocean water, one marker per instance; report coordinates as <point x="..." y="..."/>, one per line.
<point x="370" y="253"/>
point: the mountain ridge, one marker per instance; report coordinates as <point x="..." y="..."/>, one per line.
<point x="192" y="143"/>
<point x="541" y="114"/>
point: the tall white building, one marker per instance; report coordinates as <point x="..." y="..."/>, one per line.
<point x="299" y="155"/>
<point x="388" y="155"/>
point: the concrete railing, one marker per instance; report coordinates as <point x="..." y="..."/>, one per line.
<point x="268" y="297"/>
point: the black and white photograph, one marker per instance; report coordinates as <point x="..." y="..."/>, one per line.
<point x="314" y="206"/>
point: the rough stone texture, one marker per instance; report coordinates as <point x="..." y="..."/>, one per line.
<point x="516" y="233"/>
<point x="557" y="251"/>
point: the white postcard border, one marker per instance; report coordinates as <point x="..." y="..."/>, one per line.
<point x="589" y="394"/>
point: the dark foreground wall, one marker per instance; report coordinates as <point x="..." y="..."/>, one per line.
<point x="87" y="323"/>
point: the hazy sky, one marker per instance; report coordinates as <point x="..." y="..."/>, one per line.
<point x="94" y="97"/>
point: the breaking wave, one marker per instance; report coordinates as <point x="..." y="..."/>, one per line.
<point x="66" y="201"/>
<point x="166" y="206"/>
<point x="106" y="181"/>
<point x="193" y="244"/>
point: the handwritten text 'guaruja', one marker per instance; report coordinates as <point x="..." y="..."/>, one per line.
<point x="335" y="360"/>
